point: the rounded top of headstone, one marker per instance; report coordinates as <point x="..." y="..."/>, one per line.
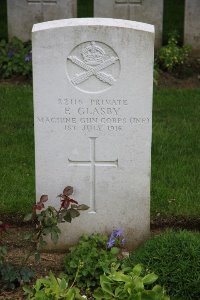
<point x="93" y="22"/>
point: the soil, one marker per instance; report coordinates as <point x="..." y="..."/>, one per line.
<point x="167" y="80"/>
<point x="187" y="77"/>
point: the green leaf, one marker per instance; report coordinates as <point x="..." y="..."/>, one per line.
<point x="157" y="288"/>
<point x="137" y="270"/>
<point x="83" y="207"/>
<point x="135" y="297"/>
<point x="139" y="286"/>
<point x="115" y="250"/>
<point x="118" y="291"/>
<point x="150" y="295"/>
<point x="74" y="206"/>
<point x="68" y="217"/>
<point x="28" y="217"/>
<point x="119" y="276"/>
<point x="70" y="294"/>
<point x="106" y="285"/>
<point x="150" y="278"/>
<point x="27" y="290"/>
<point x="54" y="236"/>
<point x="63" y="284"/>
<point x="42" y="243"/>
<point x="26" y="274"/>
<point x="74" y="213"/>
<point x="98" y="293"/>
<point x="46" y="231"/>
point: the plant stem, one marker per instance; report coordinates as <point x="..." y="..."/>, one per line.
<point x="75" y="275"/>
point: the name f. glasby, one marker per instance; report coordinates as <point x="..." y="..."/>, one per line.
<point x="101" y="111"/>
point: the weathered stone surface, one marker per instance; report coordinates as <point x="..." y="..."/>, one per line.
<point x="22" y="14"/>
<point x="93" y="113"/>
<point x="147" y="11"/>
<point x="192" y="25"/>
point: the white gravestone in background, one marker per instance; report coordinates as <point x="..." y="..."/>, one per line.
<point x="93" y="113"/>
<point x="192" y="25"/>
<point x="147" y="11"/>
<point x="22" y="14"/>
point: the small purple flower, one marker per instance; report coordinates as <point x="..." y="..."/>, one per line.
<point x="117" y="233"/>
<point x="28" y="57"/>
<point x="110" y="243"/>
<point x="123" y="242"/>
<point x="11" y="53"/>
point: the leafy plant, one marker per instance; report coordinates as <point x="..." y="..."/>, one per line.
<point x="93" y="253"/>
<point x="52" y="288"/>
<point x="175" y="257"/>
<point x="15" y="58"/>
<point x="171" y="56"/>
<point x="46" y="223"/>
<point x="12" y="277"/>
<point x="129" y="284"/>
<point x="48" y="219"/>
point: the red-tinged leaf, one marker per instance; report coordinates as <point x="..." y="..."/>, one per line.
<point x="38" y="206"/>
<point x="43" y="198"/>
<point x="65" y="197"/>
<point x="65" y="203"/>
<point x="68" y="191"/>
<point x="73" y="201"/>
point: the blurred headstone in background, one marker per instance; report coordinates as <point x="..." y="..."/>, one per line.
<point x="22" y="14"/>
<point x="192" y="25"/>
<point x="146" y="11"/>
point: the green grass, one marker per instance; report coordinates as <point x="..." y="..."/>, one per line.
<point x="175" y="152"/>
<point x="3" y="20"/>
<point x="175" y="258"/>
<point x="17" y="149"/>
<point x="173" y="18"/>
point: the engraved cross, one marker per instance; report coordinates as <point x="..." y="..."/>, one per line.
<point x="128" y="4"/>
<point x="93" y="163"/>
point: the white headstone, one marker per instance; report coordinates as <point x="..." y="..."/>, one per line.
<point x="192" y="25"/>
<point x="22" y="14"/>
<point x="93" y="113"/>
<point x="147" y="11"/>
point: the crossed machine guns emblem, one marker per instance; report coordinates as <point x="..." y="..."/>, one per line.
<point x="94" y="61"/>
